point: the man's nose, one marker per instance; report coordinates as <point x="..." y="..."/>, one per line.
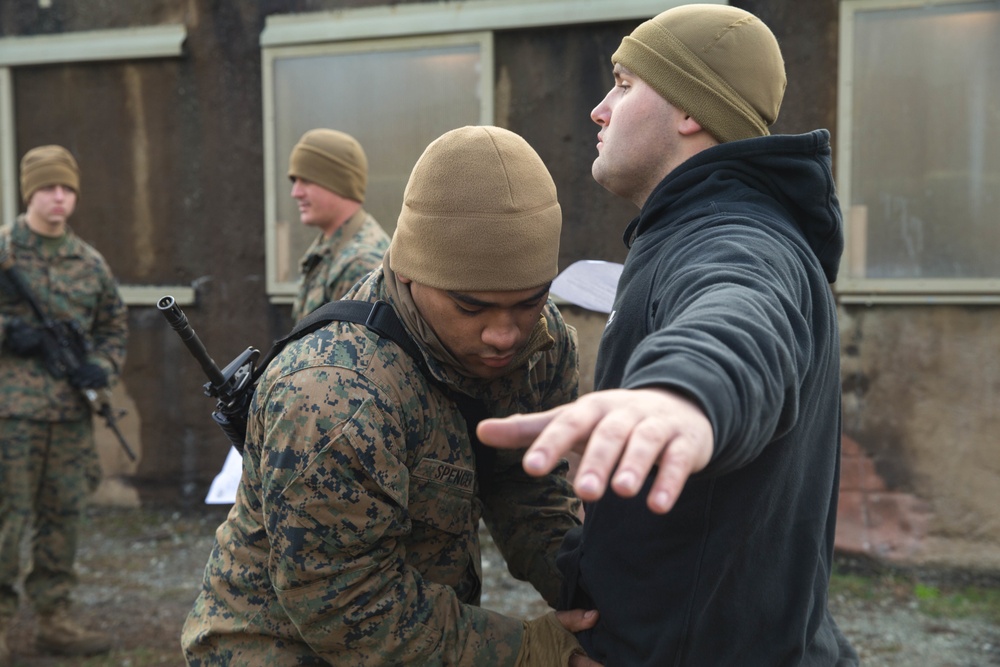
<point x="501" y="332"/>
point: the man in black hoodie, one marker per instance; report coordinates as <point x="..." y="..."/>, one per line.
<point x="718" y="379"/>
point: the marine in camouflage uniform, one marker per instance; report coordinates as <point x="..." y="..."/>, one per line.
<point x="334" y="264"/>
<point x="49" y="461"/>
<point x="354" y="536"/>
<point x="329" y="173"/>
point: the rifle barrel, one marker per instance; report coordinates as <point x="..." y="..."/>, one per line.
<point x="179" y="322"/>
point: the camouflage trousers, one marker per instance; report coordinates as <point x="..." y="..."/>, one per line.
<point x="47" y="472"/>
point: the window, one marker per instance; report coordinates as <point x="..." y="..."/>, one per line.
<point x="121" y="47"/>
<point x="919" y="150"/>
<point x="394" y="97"/>
<point x="394" y="77"/>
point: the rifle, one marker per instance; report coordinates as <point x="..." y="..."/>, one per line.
<point x="232" y="387"/>
<point x="65" y="349"/>
<point x="235" y="384"/>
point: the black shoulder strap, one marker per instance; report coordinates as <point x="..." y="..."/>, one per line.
<point x="378" y="316"/>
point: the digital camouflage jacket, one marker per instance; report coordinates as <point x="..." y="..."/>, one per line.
<point x="332" y="266"/>
<point x="354" y="536"/>
<point x="70" y="281"/>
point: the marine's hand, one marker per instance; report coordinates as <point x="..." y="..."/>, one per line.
<point x="88" y="376"/>
<point x="21" y="338"/>
<point x="580" y="660"/>
<point x="549" y="640"/>
<point x="633" y="429"/>
<point x="576" y="620"/>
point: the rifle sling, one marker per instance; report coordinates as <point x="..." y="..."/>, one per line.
<point x="380" y="318"/>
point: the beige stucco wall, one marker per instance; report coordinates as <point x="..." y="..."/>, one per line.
<point x="117" y="489"/>
<point x="922" y="399"/>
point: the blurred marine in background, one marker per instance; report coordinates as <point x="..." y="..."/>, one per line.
<point x="49" y="463"/>
<point x="329" y="174"/>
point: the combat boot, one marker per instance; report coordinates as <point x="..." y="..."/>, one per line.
<point x="5" y="660"/>
<point x="59" y="633"/>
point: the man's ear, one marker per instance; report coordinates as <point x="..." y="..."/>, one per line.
<point x="689" y="126"/>
<point x="403" y="279"/>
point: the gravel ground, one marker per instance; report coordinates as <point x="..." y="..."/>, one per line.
<point x="140" y="571"/>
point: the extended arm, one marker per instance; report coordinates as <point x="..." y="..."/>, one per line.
<point x="709" y="385"/>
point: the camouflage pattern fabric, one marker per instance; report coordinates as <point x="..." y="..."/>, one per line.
<point x="70" y="282"/>
<point x="354" y="536"/>
<point x="49" y="463"/>
<point x="47" y="470"/>
<point x="331" y="266"/>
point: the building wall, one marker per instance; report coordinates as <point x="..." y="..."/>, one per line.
<point x="922" y="402"/>
<point x="172" y="151"/>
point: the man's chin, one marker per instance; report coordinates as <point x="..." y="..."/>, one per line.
<point x="481" y="370"/>
<point x="597" y="172"/>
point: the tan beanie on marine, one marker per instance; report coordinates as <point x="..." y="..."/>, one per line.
<point x="480" y="213"/>
<point x="719" y="64"/>
<point x="333" y="160"/>
<point x="48" y="165"/>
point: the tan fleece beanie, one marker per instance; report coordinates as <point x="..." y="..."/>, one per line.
<point x="719" y="64"/>
<point x="48" y="165"/>
<point x="480" y="214"/>
<point x="333" y="160"/>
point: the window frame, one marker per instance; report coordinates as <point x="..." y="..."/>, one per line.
<point x="164" y="41"/>
<point x="861" y="290"/>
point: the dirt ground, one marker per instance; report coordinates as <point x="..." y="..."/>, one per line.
<point x="140" y="571"/>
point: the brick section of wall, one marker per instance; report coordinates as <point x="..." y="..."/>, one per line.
<point x="871" y="519"/>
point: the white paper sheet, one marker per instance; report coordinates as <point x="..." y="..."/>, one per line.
<point x="223" y="488"/>
<point x="589" y="283"/>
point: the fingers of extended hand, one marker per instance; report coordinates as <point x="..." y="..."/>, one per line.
<point x="646" y="441"/>
<point x="689" y="451"/>
<point x="569" y="430"/>
<point x="514" y="431"/>
<point x="551" y="435"/>
<point x="632" y="430"/>
<point x="609" y="438"/>
<point x="678" y="463"/>
<point x="621" y="431"/>
<point x="638" y="430"/>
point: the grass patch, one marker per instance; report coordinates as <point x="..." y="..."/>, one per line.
<point x="929" y="594"/>
<point x="958" y="603"/>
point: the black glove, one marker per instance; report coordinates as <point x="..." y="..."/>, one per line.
<point x="88" y="376"/>
<point x="22" y="339"/>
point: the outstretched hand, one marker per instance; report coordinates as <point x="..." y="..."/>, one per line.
<point x="633" y="429"/>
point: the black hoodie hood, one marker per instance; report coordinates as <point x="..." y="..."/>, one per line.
<point x="793" y="171"/>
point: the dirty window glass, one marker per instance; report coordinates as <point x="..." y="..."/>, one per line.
<point x="393" y="96"/>
<point x="922" y="161"/>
